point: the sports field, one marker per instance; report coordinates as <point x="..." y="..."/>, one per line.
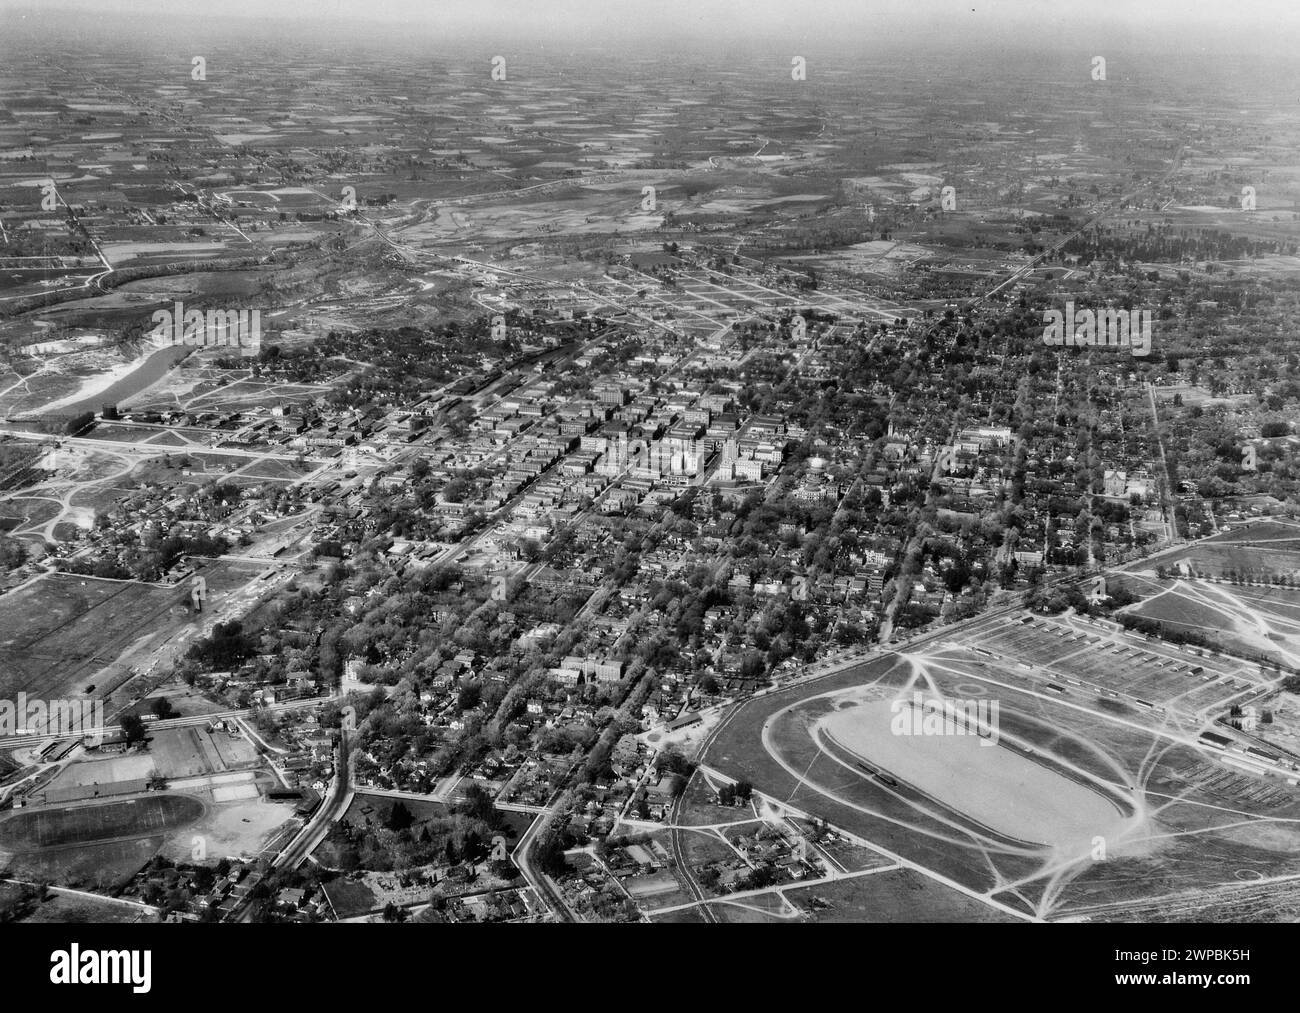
<point x="194" y="751"/>
<point x="34" y="829"/>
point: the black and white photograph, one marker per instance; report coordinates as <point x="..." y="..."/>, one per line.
<point x="702" y="462"/>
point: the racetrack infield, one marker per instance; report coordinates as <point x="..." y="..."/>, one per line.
<point x="990" y="782"/>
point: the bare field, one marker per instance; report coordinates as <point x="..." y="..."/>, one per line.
<point x="900" y="895"/>
<point x="241" y="828"/>
<point x="1260" y="550"/>
<point x="64" y="629"/>
<point x="194" y="751"/>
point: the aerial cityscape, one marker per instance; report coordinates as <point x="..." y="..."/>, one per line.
<point x="511" y="466"/>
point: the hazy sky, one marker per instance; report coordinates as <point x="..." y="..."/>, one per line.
<point x="1239" y="26"/>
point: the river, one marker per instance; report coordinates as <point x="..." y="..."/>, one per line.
<point x="150" y="371"/>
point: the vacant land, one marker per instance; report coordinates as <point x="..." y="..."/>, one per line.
<point x="61" y="629"/>
<point x="74" y="909"/>
<point x="64" y="633"/>
<point x="900" y="895"/>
